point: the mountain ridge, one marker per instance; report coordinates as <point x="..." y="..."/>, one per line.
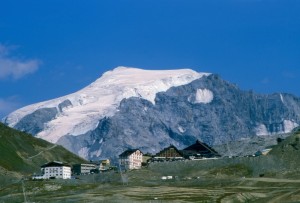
<point x="206" y="107"/>
<point x="78" y="113"/>
<point x="174" y="119"/>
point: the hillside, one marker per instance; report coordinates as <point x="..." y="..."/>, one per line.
<point x="288" y="151"/>
<point x="250" y="145"/>
<point x="151" y="109"/>
<point x="23" y="154"/>
<point x="281" y="162"/>
<point x="271" y="178"/>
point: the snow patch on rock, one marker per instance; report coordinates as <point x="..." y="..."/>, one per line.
<point x="286" y="127"/>
<point x="289" y="125"/>
<point x="181" y="129"/>
<point x="281" y="98"/>
<point x="203" y="96"/>
<point x="261" y="130"/>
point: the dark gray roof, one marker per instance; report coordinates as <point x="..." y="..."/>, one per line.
<point x="167" y="148"/>
<point x="201" y="147"/>
<point x="54" y="164"/>
<point x="128" y="152"/>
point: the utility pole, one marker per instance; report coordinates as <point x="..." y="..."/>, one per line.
<point x="24" y="192"/>
<point x="123" y="177"/>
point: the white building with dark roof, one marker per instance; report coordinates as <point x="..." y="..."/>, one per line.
<point x="54" y="169"/>
<point x="131" y="159"/>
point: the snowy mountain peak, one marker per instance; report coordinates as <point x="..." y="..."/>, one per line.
<point x="80" y="112"/>
<point x="99" y="122"/>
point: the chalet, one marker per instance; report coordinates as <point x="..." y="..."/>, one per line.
<point x="80" y="169"/>
<point x="131" y="159"/>
<point x="199" y="150"/>
<point x="102" y="165"/>
<point x="54" y="169"/>
<point x="168" y="154"/>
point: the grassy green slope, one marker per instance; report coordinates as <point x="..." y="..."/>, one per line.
<point x="17" y="147"/>
<point x="281" y="162"/>
<point x="288" y="151"/>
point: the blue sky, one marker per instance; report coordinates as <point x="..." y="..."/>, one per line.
<point x="51" y="48"/>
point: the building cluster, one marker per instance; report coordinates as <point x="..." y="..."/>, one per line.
<point x="128" y="160"/>
<point x="60" y="170"/>
<point x="134" y="158"/>
<point x="92" y="167"/>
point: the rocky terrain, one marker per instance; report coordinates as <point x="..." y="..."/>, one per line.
<point x="231" y="116"/>
<point x="124" y="110"/>
<point x="249" y="146"/>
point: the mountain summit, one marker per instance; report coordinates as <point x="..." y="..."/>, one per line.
<point x="80" y="112"/>
<point x="151" y="109"/>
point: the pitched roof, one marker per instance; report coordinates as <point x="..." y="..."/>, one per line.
<point x="128" y="152"/>
<point x="167" y="148"/>
<point x="201" y="148"/>
<point x="54" y="163"/>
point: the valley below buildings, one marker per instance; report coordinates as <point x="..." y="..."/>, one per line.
<point x="274" y="177"/>
<point x="192" y="181"/>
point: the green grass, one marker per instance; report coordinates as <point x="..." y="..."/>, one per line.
<point x="239" y="170"/>
<point x="202" y="190"/>
<point x="16" y="147"/>
<point x="221" y="180"/>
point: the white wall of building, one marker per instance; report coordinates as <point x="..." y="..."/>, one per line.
<point x="62" y="172"/>
<point x="133" y="161"/>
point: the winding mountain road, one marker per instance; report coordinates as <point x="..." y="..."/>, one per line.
<point x="42" y="152"/>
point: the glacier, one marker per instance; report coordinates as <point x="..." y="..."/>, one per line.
<point x="102" y="98"/>
<point x="151" y="109"/>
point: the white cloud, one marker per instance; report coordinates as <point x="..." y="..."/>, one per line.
<point x="8" y="105"/>
<point x="13" y="67"/>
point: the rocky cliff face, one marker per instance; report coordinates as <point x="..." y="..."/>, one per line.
<point x="208" y="108"/>
<point x="180" y="116"/>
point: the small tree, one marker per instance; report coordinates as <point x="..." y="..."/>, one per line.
<point x="279" y="140"/>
